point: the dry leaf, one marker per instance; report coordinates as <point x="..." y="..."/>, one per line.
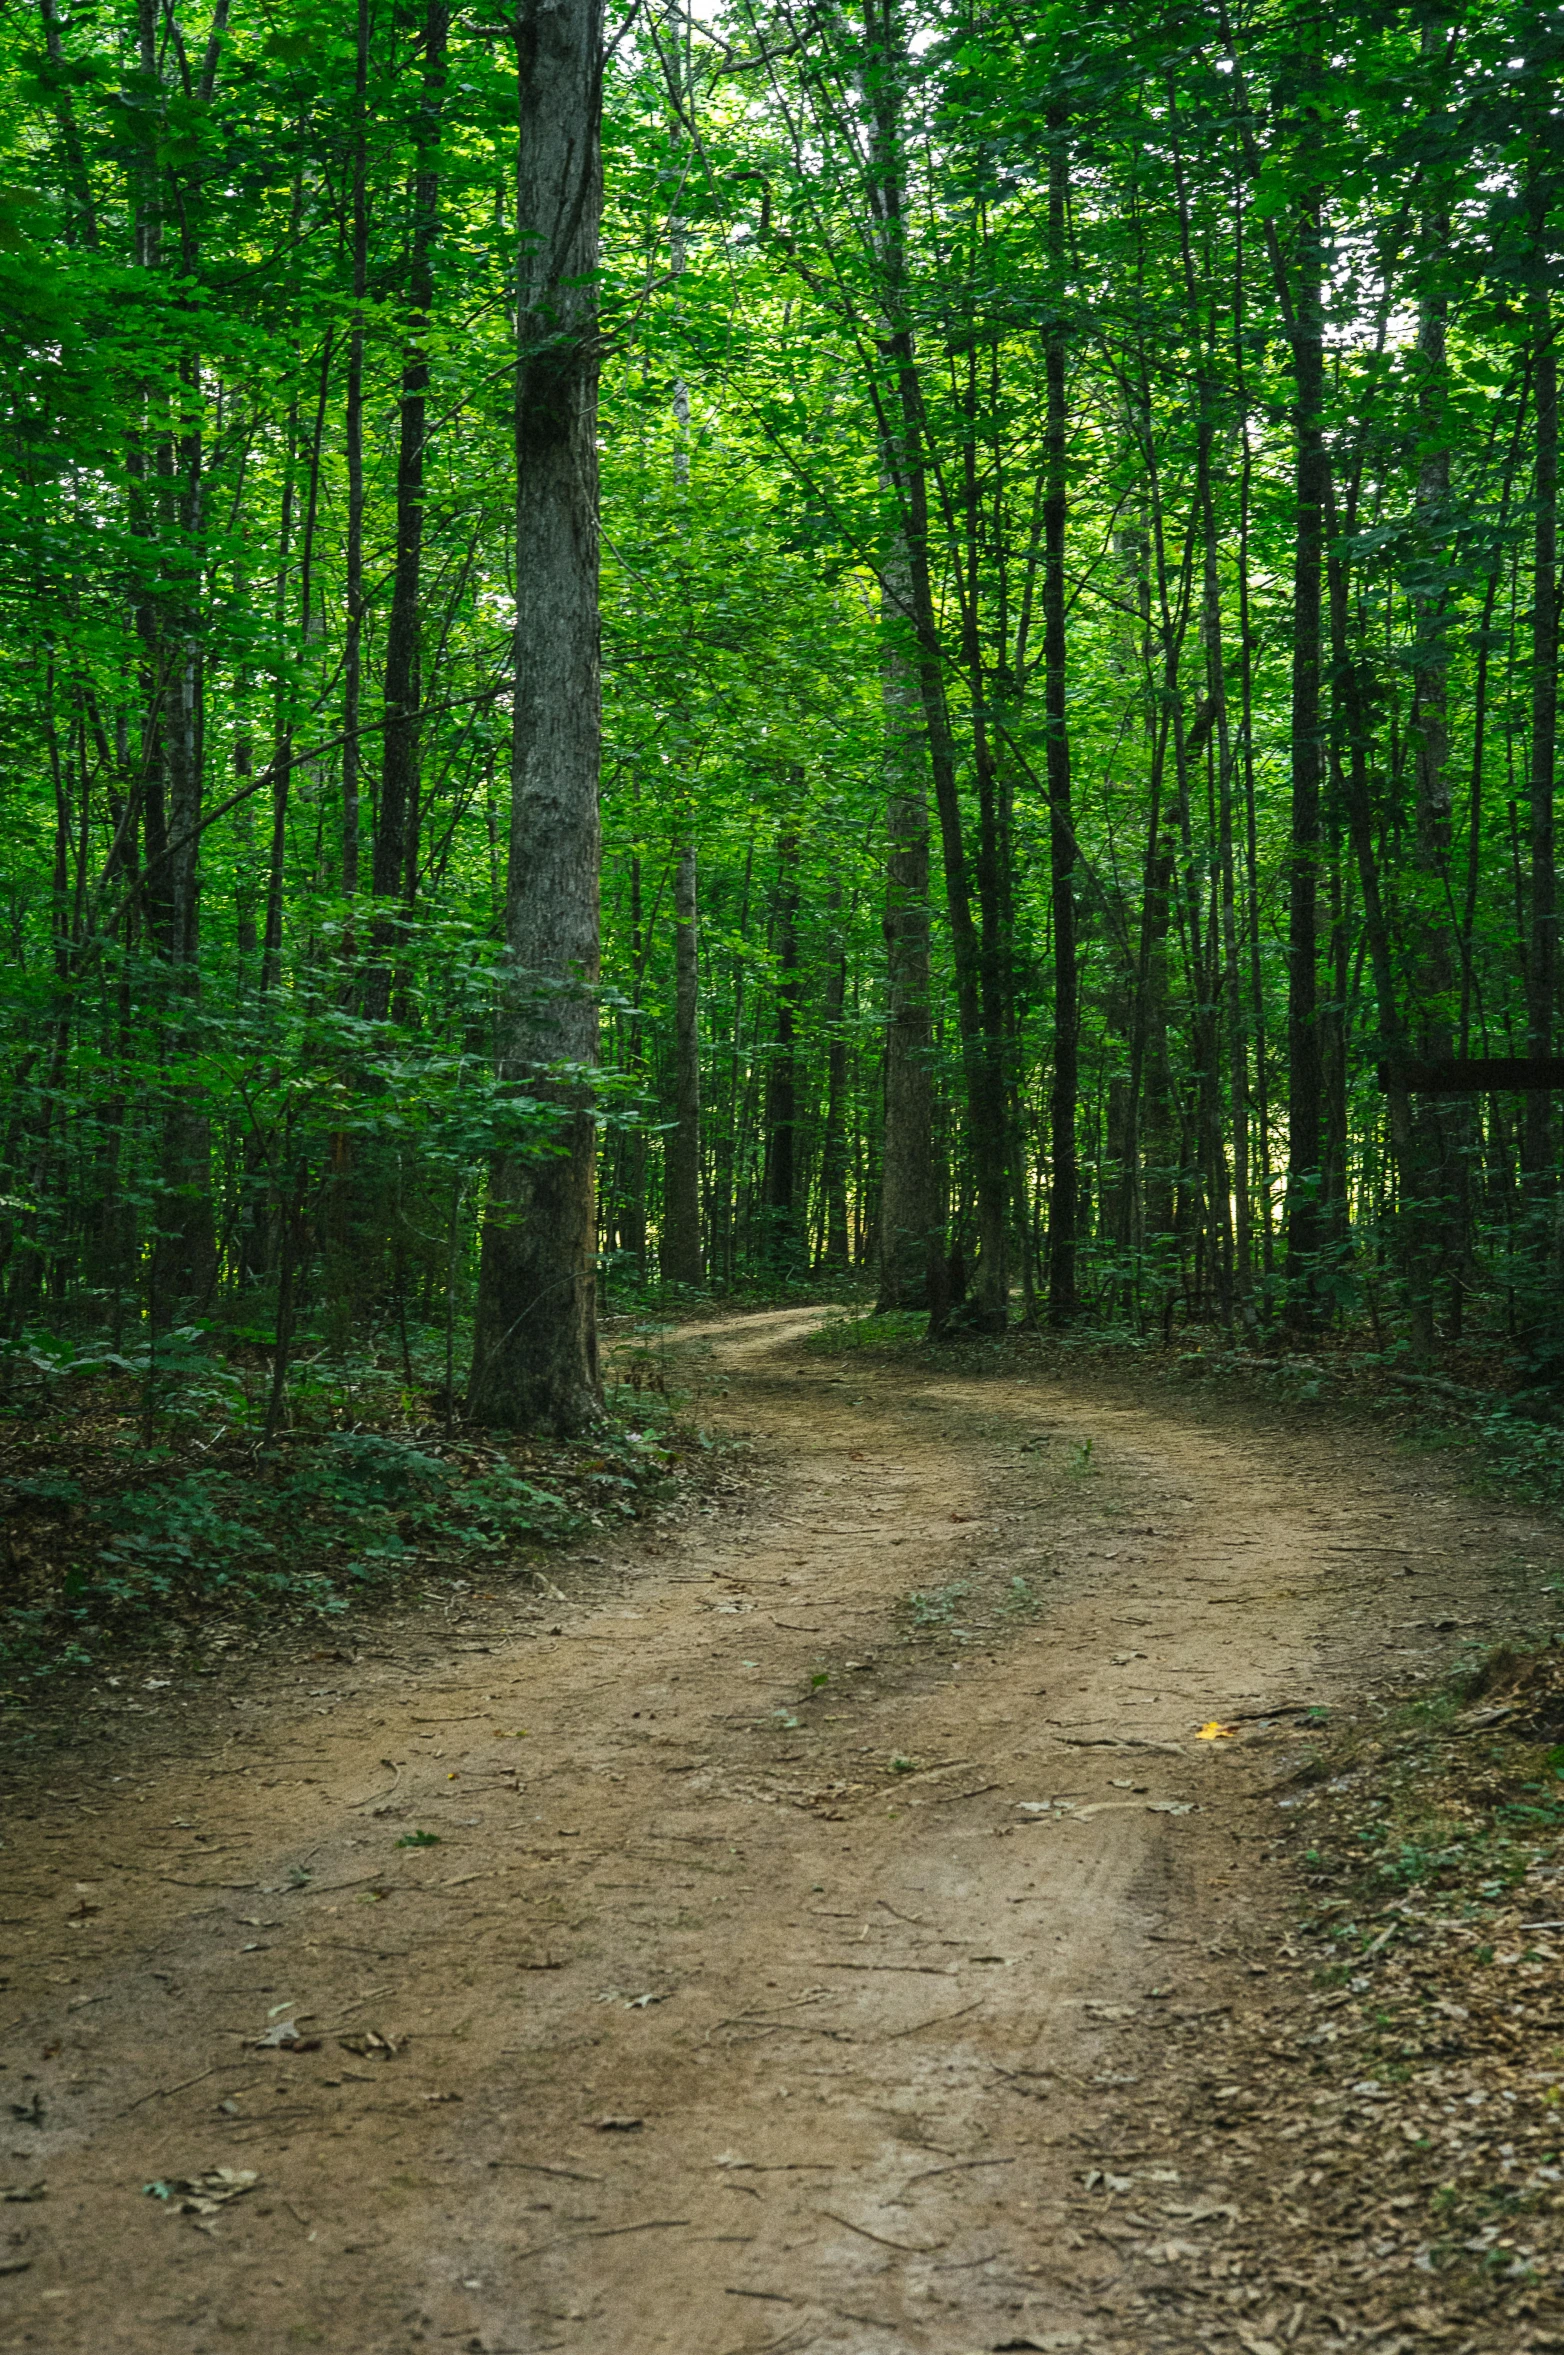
<point x="372" y="2046"/>
<point x="204" y="2195"/>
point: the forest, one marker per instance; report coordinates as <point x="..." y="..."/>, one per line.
<point x="909" y="646"/>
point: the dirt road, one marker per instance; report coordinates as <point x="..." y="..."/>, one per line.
<point x="768" y="1956"/>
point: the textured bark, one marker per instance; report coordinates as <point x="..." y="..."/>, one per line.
<point x="396" y="825"/>
<point x="681" y="1235"/>
<point x="911" y="1246"/>
<point x="535" y="1339"/>
<point x="982" y="1056"/>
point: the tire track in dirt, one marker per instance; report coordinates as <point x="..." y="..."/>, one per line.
<point x="875" y="2022"/>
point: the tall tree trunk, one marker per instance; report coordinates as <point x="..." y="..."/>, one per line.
<point x="730" y="1141"/>
<point x="781" y="1239"/>
<point x="353" y="582"/>
<point x="1064" y="1195"/>
<point x="535" y="1336"/>
<point x="912" y="1256"/>
<point x="632" y="1210"/>
<point x="1542" y="966"/>
<point x="396" y="819"/>
<point x="834" y="1248"/>
<point x="1434" y="1184"/>
<point x="1215" y="720"/>
<point x="184" y="1259"/>
<point x="83" y="228"/>
<point x="681" y="1236"/>
<point x="1305" y="1227"/>
<point x="982" y="1057"/>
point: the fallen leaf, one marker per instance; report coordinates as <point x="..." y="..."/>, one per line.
<point x="1216" y="1731"/>
<point x="285" y="2037"/>
<point x="203" y="2195"/>
<point x="372" y="2046"/>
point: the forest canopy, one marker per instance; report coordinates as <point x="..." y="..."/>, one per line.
<point x="911" y="645"/>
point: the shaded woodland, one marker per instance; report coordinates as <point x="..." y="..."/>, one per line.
<point x="911" y="646"/>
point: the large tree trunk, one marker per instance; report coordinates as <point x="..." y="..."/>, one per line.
<point x="680" y="1253"/>
<point x="535" y="1339"/>
<point x="912" y="1255"/>
<point x="982" y="1056"/>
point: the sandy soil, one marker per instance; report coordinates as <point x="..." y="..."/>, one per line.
<point x="786" y="1955"/>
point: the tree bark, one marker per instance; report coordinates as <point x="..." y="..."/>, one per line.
<point x="834" y="1249"/>
<point x="1064" y="1195"/>
<point x="535" y="1336"/>
<point x="1542" y="965"/>
<point x="911" y="1246"/>
<point x="680" y="1253"/>
<point x="353" y="584"/>
<point x="1305" y="1232"/>
<point x="1435" y="1183"/>
<point x="396" y="827"/>
<point x="982" y="1057"/>
<point x="780" y="1238"/>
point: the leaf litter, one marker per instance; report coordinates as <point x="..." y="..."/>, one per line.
<point x="203" y="2195"/>
<point x="1372" y="2141"/>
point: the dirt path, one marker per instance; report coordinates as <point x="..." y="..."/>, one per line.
<point x="785" y="1953"/>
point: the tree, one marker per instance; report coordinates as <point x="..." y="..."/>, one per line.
<point x="535" y="1332"/>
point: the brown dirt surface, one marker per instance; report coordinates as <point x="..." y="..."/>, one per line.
<point x="823" y="1929"/>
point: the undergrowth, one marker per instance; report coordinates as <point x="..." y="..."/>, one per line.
<point x="894" y="1332"/>
<point x="120" y="1527"/>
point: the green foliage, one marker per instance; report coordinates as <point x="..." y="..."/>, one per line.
<point x="248" y="1073"/>
<point x="895" y="1329"/>
<point x="935" y="1606"/>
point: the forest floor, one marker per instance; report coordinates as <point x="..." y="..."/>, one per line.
<point x="823" y="1929"/>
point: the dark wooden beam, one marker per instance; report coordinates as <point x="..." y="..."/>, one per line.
<point x="1480" y="1075"/>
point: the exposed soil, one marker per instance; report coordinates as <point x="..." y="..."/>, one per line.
<point x="787" y="1963"/>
